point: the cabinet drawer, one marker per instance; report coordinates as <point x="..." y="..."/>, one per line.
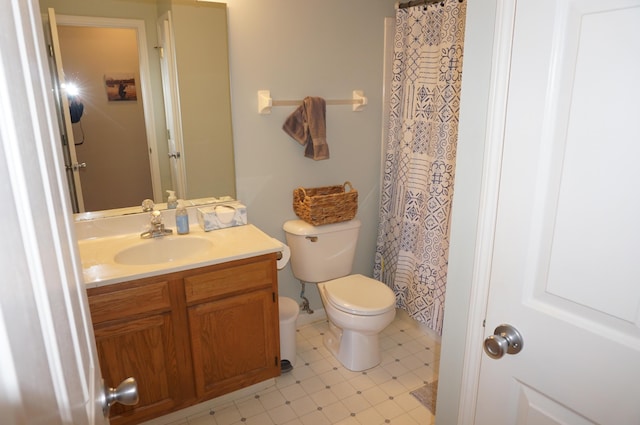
<point x="130" y="302"/>
<point x="234" y="279"/>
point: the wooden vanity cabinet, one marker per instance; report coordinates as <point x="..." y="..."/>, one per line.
<point x="188" y="336"/>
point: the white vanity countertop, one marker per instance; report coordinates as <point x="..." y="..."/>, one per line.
<point x="234" y="243"/>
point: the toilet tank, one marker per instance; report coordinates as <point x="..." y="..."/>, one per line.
<point x="321" y="253"/>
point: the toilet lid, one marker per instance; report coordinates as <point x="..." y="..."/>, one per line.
<point x="361" y="295"/>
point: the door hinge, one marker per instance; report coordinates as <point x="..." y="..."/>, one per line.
<point x="50" y="49"/>
<point x="273" y="295"/>
<point x="484" y="323"/>
<point x="276" y="360"/>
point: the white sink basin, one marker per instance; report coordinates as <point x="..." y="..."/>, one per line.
<point x="163" y="250"/>
<point x="124" y="257"/>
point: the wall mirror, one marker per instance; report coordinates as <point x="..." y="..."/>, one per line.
<point x="153" y="112"/>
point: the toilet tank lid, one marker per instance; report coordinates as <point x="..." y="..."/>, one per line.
<point x="301" y="227"/>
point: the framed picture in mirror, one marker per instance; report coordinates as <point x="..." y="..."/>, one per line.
<point x="120" y="86"/>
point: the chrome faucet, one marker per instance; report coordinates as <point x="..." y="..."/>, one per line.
<point x="157" y="227"/>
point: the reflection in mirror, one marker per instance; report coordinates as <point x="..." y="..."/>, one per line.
<point x="109" y="132"/>
<point x="190" y="135"/>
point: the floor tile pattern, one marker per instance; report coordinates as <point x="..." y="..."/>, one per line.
<point x="320" y="391"/>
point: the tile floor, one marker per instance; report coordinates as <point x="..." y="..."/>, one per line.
<point x="319" y="390"/>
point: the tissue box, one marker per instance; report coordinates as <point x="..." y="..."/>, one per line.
<point x="222" y="216"/>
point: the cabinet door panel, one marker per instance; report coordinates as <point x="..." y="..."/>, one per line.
<point x="234" y="341"/>
<point x="242" y="276"/>
<point x="145" y="349"/>
<point x="120" y="303"/>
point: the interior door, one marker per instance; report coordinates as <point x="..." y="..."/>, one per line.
<point x="71" y="158"/>
<point x="50" y="373"/>
<point x="565" y="268"/>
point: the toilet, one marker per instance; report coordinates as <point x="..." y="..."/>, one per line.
<point x="358" y="307"/>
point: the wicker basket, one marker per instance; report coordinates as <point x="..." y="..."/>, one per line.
<point x="325" y="205"/>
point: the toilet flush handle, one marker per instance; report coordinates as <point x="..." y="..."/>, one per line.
<point x="312" y="238"/>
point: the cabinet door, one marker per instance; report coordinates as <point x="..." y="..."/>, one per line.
<point x="234" y="342"/>
<point x="143" y="348"/>
<point x="140" y="332"/>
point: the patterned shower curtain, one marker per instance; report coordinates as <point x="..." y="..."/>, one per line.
<point x="419" y="158"/>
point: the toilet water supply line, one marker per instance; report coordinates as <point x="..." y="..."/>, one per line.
<point x="305" y="302"/>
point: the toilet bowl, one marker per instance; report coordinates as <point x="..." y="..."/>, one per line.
<point x="358" y="307"/>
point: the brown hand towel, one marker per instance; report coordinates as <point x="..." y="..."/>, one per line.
<point x="307" y="125"/>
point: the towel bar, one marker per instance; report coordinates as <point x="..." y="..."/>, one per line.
<point x="265" y="102"/>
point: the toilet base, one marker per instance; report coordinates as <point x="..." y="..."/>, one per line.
<point x="356" y="351"/>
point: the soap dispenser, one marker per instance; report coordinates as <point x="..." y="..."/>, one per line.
<point x="182" y="218"/>
<point x="172" y="202"/>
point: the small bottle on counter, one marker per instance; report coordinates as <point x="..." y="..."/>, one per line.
<point x="172" y="202"/>
<point x="182" y="219"/>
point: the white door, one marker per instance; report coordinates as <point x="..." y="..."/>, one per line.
<point x="50" y="372"/>
<point x="49" y="367"/>
<point x="566" y="263"/>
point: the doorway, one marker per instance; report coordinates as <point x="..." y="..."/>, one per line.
<point x="112" y="138"/>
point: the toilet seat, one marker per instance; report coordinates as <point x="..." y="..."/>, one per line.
<point x="360" y="295"/>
